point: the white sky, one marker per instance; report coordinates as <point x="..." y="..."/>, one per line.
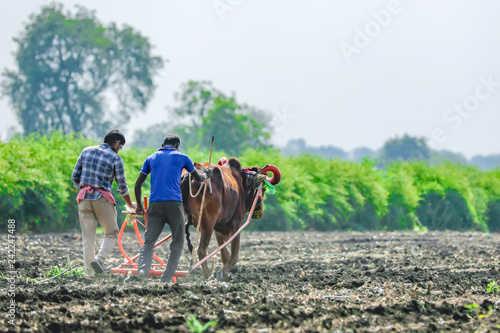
<point x="285" y="56"/>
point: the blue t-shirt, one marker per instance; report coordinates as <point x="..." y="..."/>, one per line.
<point x="166" y="167"/>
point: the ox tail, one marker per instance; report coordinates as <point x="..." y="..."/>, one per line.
<point x="187" y="209"/>
<point x="190" y="222"/>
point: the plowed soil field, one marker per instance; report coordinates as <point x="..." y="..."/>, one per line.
<point x="283" y="282"/>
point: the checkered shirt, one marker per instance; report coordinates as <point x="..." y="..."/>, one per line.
<point x="98" y="166"/>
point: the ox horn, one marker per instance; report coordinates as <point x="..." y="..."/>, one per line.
<point x="222" y="161"/>
<point x="275" y="179"/>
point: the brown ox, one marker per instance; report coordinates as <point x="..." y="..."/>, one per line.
<point x="233" y="191"/>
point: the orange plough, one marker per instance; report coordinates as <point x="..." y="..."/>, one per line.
<point x="130" y="265"/>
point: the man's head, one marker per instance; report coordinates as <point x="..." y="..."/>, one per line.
<point x="171" y="140"/>
<point x="115" y="139"/>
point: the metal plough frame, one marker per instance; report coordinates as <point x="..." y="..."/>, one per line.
<point x="130" y="262"/>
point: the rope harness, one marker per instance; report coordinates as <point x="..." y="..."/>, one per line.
<point x="253" y="181"/>
<point x="199" y="190"/>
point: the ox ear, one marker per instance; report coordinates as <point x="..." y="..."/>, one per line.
<point x="198" y="166"/>
<point x="235" y="164"/>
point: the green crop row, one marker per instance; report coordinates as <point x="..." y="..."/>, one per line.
<point x="314" y="193"/>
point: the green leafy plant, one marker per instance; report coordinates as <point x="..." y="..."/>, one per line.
<point x="492" y="287"/>
<point x="479" y="312"/>
<point x="56" y="270"/>
<point x="196" y="326"/>
<point x="314" y="193"/>
<point x="471" y="307"/>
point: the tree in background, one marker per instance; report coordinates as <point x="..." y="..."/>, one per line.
<point x="152" y="137"/>
<point x="237" y="129"/>
<point x="68" y="67"/>
<point x="195" y="100"/>
<point x="441" y="156"/>
<point x="358" y="154"/>
<point x="203" y="112"/>
<point x="486" y="162"/>
<point x="406" y="148"/>
<point x="296" y="147"/>
<point x="299" y="146"/>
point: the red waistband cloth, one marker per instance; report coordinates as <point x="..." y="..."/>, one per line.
<point x="90" y="189"/>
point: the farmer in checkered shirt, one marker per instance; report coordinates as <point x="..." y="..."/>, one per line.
<point x="93" y="175"/>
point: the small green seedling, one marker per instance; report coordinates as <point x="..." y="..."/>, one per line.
<point x="492" y="287"/>
<point x="471" y="307"/>
<point x="196" y="326"/>
<point x="56" y="270"/>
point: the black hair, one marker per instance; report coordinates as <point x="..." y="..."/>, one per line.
<point x="171" y="140"/>
<point x="114" y="135"/>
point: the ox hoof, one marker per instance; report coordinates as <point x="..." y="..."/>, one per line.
<point x="220" y="276"/>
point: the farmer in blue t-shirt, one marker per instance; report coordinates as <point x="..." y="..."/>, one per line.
<point x="165" y="200"/>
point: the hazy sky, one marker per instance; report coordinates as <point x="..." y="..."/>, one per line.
<point x="344" y="73"/>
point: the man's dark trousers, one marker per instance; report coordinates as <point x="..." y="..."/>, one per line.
<point x="159" y="213"/>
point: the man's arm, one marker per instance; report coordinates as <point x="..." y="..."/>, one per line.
<point x="122" y="182"/>
<point x="77" y="173"/>
<point x="198" y="176"/>
<point x="201" y="177"/>
<point x="138" y="193"/>
<point x="128" y="200"/>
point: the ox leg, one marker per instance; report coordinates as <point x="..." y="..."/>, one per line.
<point x="206" y="235"/>
<point x="224" y="253"/>
<point x="233" y="259"/>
